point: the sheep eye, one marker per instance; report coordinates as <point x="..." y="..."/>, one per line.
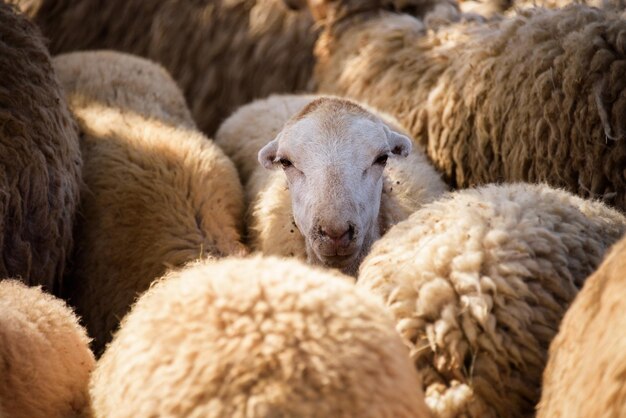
<point x="285" y="162"/>
<point x="381" y="160"/>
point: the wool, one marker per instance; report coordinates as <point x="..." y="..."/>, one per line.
<point x="585" y="369"/>
<point x="259" y="337"/>
<point x="535" y="97"/>
<point x="41" y="163"/>
<point x="44" y="356"/>
<point x="223" y="53"/>
<point x="478" y="282"/>
<point x="157" y="192"/>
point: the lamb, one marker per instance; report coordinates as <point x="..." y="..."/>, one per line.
<point x="334" y="196"/>
<point x="40" y="159"/>
<point x="584" y="375"/>
<point x="478" y="281"/>
<point x="158" y="193"/>
<point x="45" y="360"/>
<point x="536" y="97"/>
<point x="256" y="337"/>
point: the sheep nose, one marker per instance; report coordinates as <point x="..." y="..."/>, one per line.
<point x="339" y="236"/>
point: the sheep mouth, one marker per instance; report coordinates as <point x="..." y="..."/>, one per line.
<point x="337" y="260"/>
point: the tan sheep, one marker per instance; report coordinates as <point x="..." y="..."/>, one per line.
<point x="585" y="372"/>
<point x="478" y="282"/>
<point x="223" y="53"/>
<point x="259" y="337"/>
<point x="40" y="159"/>
<point x="335" y="197"/>
<point x="158" y="193"/>
<point x="45" y="359"/>
<point x="536" y="97"/>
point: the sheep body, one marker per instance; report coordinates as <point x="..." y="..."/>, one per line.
<point x="478" y="282"/>
<point x="585" y="369"/>
<point x="408" y="183"/>
<point x="223" y="53"/>
<point x="256" y="338"/>
<point x="44" y="356"/>
<point x="535" y="97"/>
<point x="41" y="164"/>
<point x="158" y="193"/>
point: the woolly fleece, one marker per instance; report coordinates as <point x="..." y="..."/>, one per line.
<point x="44" y="356"/>
<point x="478" y="282"/>
<point x="41" y="163"/>
<point x="157" y="195"/>
<point x="538" y="97"/>
<point x="256" y="338"/>
<point x="585" y="372"/>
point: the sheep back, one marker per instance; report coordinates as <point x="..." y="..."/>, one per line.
<point x="257" y="337"/>
<point x="478" y="282"/>
<point x="223" y="53"/>
<point x="157" y="194"/>
<point x="45" y="359"/>
<point x="538" y="97"/>
<point x="41" y="162"/>
<point x="585" y="369"/>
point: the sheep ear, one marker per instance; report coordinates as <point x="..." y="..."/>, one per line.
<point x="267" y="155"/>
<point x="399" y="144"/>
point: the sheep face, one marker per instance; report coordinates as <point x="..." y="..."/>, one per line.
<point x="333" y="154"/>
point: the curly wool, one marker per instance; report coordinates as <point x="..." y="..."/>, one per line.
<point x="223" y="53"/>
<point x="478" y="282"/>
<point x="586" y="367"/>
<point x="157" y="194"/>
<point x="537" y="97"/>
<point x="259" y="337"/>
<point x="44" y="356"/>
<point x="408" y="183"/>
<point x="41" y="161"/>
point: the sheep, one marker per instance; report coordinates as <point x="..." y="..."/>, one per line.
<point x="45" y="359"/>
<point x="224" y="53"/>
<point x="256" y="337"/>
<point x="40" y="159"/>
<point x="346" y="202"/>
<point x="478" y="281"/>
<point x="158" y="193"/>
<point x="536" y="97"/>
<point x="584" y="375"/>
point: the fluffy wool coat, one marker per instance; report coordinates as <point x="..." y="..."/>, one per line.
<point x="478" y="282"/>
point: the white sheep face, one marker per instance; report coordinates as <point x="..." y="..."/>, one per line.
<point x="333" y="154"/>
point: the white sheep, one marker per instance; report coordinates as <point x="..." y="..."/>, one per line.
<point x="45" y="359"/>
<point x="339" y="191"/>
<point x="584" y="376"/>
<point x="259" y="337"/>
<point x="478" y="282"/>
<point x="157" y="192"/>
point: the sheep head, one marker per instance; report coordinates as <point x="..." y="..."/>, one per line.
<point x="333" y="154"/>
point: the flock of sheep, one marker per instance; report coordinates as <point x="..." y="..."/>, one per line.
<point x="432" y="230"/>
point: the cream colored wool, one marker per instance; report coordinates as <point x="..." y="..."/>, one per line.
<point x="537" y="97"/>
<point x="408" y="183"/>
<point x="585" y="372"/>
<point x="147" y="88"/>
<point x="40" y="163"/>
<point x="259" y="337"/>
<point x="157" y="194"/>
<point x="45" y="359"/>
<point x="478" y="282"/>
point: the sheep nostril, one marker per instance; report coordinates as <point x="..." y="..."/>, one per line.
<point x="339" y="236"/>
